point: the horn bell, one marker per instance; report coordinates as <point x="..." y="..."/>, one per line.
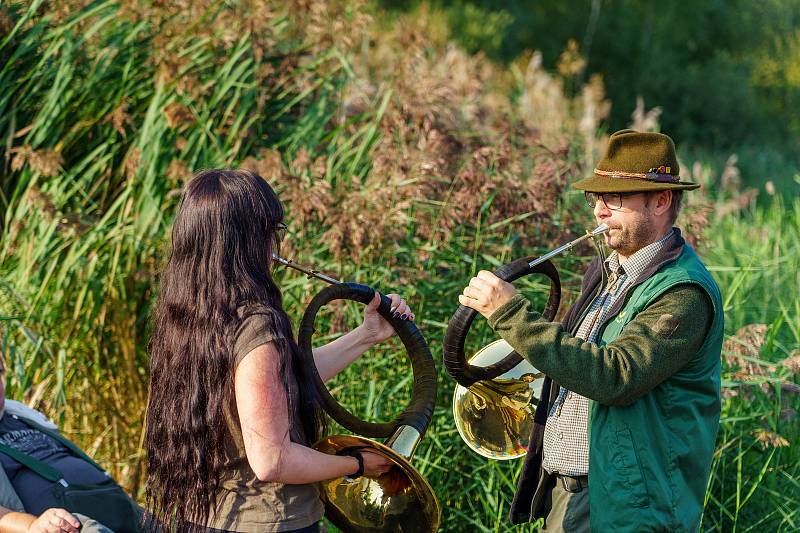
<point x="495" y="417"/>
<point x="400" y="500"/>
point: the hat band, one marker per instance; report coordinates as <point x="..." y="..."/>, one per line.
<point x="650" y="176"/>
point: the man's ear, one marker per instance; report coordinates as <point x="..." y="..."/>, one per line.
<point x="662" y="201"/>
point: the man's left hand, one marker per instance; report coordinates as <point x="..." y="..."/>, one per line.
<point x="486" y="293"/>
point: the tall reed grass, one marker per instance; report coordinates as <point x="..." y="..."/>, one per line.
<point x="405" y="164"/>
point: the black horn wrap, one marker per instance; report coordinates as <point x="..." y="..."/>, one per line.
<point x="419" y="411"/>
<point x="455" y="360"/>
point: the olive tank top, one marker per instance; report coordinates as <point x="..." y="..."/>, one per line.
<point x="244" y="503"/>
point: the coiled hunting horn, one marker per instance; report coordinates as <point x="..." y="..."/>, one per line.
<point x="497" y="391"/>
<point x="400" y="500"/>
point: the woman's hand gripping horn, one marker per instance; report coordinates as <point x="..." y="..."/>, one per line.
<point x="374" y="326"/>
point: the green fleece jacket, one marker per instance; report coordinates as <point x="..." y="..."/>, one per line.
<point x="653" y="346"/>
<point x="653" y="378"/>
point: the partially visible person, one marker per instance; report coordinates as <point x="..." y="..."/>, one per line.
<point x="233" y="410"/>
<point x="39" y="465"/>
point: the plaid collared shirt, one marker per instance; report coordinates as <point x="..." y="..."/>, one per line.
<point x="566" y="440"/>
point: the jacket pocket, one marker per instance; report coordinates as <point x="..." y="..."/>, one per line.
<point x="629" y="468"/>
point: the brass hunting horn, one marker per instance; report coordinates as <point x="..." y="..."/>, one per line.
<point x="498" y="390"/>
<point x="399" y="500"/>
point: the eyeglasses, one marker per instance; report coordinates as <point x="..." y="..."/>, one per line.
<point x="613" y="200"/>
<point x="280" y="231"/>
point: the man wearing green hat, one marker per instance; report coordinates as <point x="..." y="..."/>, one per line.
<point x="625" y="431"/>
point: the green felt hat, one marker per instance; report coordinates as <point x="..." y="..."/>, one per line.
<point x="636" y="161"/>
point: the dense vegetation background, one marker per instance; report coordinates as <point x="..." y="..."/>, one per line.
<point x="412" y="145"/>
<point x="724" y="73"/>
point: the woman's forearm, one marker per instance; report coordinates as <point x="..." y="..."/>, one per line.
<point x="300" y="464"/>
<point x="333" y="357"/>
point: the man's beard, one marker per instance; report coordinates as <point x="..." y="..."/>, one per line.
<point x="633" y="237"/>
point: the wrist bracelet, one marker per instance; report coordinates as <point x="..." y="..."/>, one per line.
<point x="350" y="452"/>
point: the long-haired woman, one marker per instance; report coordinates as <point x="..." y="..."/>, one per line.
<point x="232" y="409"/>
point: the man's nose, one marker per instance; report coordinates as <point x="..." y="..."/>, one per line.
<point x="601" y="210"/>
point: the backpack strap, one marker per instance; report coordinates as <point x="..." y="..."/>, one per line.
<point x="58" y="437"/>
<point x="42" y="469"/>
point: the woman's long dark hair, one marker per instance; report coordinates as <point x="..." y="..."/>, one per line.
<point x="222" y="244"/>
